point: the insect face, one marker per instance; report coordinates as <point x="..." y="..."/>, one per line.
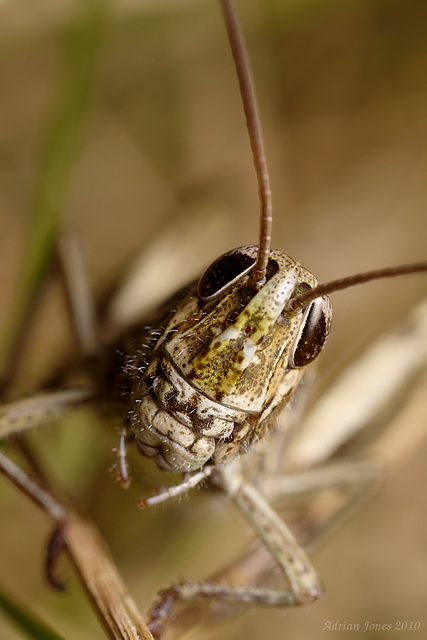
<point x="229" y="357"/>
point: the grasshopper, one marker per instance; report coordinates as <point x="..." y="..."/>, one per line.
<point x="173" y="450"/>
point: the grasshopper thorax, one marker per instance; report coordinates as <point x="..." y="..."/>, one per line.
<point x="229" y="356"/>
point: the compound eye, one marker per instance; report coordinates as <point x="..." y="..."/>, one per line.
<point x="313" y="333"/>
<point x="225" y="272"/>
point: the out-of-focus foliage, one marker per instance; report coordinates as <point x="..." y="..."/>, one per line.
<point x="29" y="624"/>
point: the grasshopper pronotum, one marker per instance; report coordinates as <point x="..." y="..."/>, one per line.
<point x="370" y="304"/>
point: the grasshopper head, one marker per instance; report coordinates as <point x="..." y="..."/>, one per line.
<point x="247" y="351"/>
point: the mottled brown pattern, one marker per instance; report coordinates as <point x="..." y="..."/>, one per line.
<point x="220" y="368"/>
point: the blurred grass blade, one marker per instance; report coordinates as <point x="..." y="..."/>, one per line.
<point x="81" y="52"/>
<point x="33" y="627"/>
<point x="82" y="45"/>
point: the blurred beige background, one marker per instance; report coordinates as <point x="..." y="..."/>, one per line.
<point x="343" y="97"/>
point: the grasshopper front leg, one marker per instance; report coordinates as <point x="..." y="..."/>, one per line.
<point x="354" y="479"/>
<point x="304" y="584"/>
<point x="291" y="558"/>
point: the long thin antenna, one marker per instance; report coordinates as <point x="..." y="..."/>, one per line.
<point x="253" y="123"/>
<point x="303" y="300"/>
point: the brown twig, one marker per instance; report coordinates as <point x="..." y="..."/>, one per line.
<point x="90" y="556"/>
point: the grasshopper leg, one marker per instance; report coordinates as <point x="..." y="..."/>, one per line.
<point x="352" y="478"/>
<point x="304" y="585"/>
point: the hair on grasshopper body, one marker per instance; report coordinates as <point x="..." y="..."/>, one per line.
<point x="341" y="205"/>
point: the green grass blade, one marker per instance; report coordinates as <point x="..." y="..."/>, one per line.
<point x="81" y="52"/>
<point x="32" y="626"/>
<point x="82" y="48"/>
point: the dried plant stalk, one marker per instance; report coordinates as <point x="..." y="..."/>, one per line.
<point x="100" y="577"/>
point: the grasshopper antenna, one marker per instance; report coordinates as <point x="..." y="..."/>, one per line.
<point x="253" y="123"/>
<point x="303" y="300"/>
